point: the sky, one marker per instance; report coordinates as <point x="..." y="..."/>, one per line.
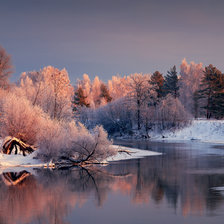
<point x="109" y="37"/>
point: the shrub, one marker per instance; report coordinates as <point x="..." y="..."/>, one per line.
<point x="54" y="138"/>
<point x="171" y="114"/>
<point x="69" y="140"/>
<point x="19" y="118"/>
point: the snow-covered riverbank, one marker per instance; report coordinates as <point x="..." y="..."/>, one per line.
<point x="7" y="161"/>
<point x="203" y="130"/>
<point x="133" y="153"/>
<point x="21" y="161"/>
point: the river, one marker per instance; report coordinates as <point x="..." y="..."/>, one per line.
<point x="178" y="186"/>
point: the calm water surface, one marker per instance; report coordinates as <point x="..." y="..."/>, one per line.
<point x="176" y="187"/>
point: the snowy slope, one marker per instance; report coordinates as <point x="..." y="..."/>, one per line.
<point x="204" y="130"/>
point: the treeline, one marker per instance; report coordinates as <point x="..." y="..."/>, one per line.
<point x="137" y="102"/>
<point x="151" y="102"/>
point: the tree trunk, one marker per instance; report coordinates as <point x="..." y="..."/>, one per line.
<point x="138" y="115"/>
<point x="18" y="146"/>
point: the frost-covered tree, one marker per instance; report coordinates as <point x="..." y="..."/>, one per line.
<point x="55" y="138"/>
<point x="116" y="116"/>
<point x="5" y="68"/>
<point x="62" y="91"/>
<point x="190" y="78"/>
<point x="32" y="86"/>
<point x="86" y="85"/>
<point x="67" y="140"/>
<point x="118" y="87"/>
<point x="171" y="113"/>
<point x="96" y="91"/>
<point x="133" y="104"/>
<point x="50" y="88"/>
<point x="20" y="119"/>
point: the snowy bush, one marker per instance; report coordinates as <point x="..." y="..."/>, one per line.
<point x="19" y="118"/>
<point x="87" y="116"/>
<point x="171" y="114"/>
<point x="90" y="147"/>
<point x="68" y="140"/>
<point x="54" y="138"/>
<point x="116" y="117"/>
<point x="51" y="139"/>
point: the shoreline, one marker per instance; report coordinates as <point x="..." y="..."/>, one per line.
<point x="28" y="162"/>
<point x="208" y="131"/>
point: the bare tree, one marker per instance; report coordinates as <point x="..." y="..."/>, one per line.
<point x="139" y="93"/>
<point x="171" y="114"/>
<point x="116" y="116"/>
<point x="5" y="68"/>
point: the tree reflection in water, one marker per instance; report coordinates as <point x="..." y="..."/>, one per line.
<point x="49" y="196"/>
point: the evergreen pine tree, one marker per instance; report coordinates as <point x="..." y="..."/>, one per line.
<point x="105" y="93"/>
<point x="212" y="91"/>
<point x="157" y="82"/>
<point x="79" y="99"/>
<point x="196" y="104"/>
<point x="171" y="83"/>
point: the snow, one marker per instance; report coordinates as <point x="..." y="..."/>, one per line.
<point x="204" y="130"/>
<point x="19" y="162"/>
<point x="133" y="153"/>
<point x="218" y="188"/>
<point x="7" y="161"/>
